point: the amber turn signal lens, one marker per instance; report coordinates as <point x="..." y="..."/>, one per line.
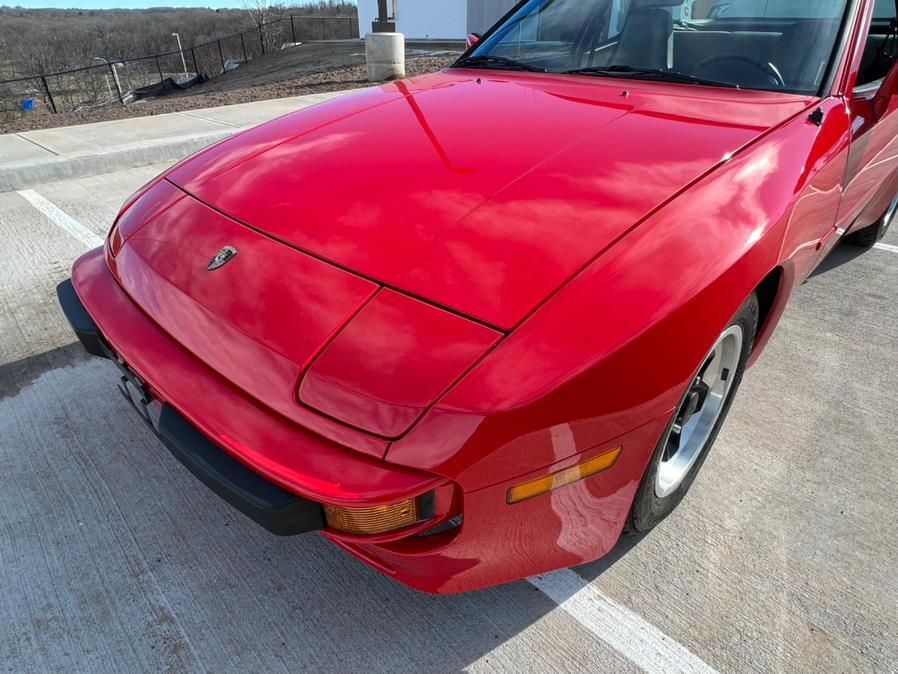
<point x="374" y="519"/>
<point x="563" y="477"/>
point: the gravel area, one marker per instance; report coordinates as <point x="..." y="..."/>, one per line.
<point x="306" y="69"/>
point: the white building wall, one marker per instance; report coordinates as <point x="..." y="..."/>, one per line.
<point x="367" y="14"/>
<point x="420" y="19"/>
<point x="482" y="14"/>
<point x="432" y="18"/>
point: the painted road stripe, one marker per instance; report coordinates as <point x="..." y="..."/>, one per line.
<point x="62" y="219"/>
<point x="885" y="246"/>
<point x="631" y="636"/>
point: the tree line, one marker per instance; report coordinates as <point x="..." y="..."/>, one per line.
<point x="36" y="41"/>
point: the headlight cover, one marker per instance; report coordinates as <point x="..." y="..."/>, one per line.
<point x="391" y="362"/>
<point x="141" y="207"/>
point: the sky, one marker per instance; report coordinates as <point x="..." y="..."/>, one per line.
<point x="126" y="4"/>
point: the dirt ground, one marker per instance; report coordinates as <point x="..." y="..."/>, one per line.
<point x="307" y="68"/>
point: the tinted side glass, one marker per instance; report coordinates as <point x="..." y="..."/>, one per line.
<point x="881" y="48"/>
<point x="884" y="9"/>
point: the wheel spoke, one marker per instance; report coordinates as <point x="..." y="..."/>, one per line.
<point x="711" y="372"/>
<point x="699" y="412"/>
<point x="673" y="444"/>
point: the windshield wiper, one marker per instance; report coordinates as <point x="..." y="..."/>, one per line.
<point x="657" y="74"/>
<point x="488" y="61"/>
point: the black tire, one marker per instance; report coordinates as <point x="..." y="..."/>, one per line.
<point x="648" y="509"/>
<point x="872" y="234"/>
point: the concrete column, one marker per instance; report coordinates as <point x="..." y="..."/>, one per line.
<point x="385" y="53"/>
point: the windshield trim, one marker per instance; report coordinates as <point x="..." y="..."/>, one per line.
<point x="488" y="34"/>
<point x="849" y="20"/>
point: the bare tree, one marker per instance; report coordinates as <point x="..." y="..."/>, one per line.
<point x="262" y="14"/>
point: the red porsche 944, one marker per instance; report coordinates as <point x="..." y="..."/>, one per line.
<point x="474" y="326"/>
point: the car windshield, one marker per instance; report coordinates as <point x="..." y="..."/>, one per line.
<point x="778" y="45"/>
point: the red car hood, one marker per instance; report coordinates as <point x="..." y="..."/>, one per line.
<point x="479" y="192"/>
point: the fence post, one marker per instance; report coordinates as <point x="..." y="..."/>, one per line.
<point x="161" y="76"/>
<point x="221" y="55"/>
<point x="292" y="29"/>
<point x="261" y="37"/>
<point x="243" y="45"/>
<point x="322" y="29"/>
<point x="196" y="67"/>
<point x="49" y="95"/>
<point x="118" y="87"/>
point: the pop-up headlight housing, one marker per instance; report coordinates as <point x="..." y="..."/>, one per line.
<point x="141" y="207"/>
<point x="391" y="362"/>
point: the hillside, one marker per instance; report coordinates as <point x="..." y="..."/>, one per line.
<point x="37" y="41"/>
<point x="308" y="68"/>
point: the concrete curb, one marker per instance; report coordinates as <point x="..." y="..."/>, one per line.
<point x="21" y="175"/>
<point x="34" y="158"/>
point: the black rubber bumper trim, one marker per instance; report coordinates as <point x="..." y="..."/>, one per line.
<point x="85" y="329"/>
<point x="278" y="510"/>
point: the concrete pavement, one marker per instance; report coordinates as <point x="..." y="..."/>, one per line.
<point x="37" y="157"/>
<point x="112" y="557"/>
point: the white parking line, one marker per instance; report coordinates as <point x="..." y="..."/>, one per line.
<point x="886" y="246"/>
<point x="631" y="636"/>
<point x="62" y="219"/>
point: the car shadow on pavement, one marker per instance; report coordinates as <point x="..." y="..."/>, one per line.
<point x="18" y="374"/>
<point x="123" y="559"/>
<point x="625" y="544"/>
<point x="840" y="255"/>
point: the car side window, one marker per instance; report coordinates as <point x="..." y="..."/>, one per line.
<point x="881" y="49"/>
<point x="884" y="9"/>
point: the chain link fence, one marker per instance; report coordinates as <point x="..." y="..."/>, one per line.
<point x="118" y="82"/>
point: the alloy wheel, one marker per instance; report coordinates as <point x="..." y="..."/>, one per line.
<point x="699" y="411"/>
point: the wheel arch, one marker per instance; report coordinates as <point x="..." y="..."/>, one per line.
<point x="773" y="294"/>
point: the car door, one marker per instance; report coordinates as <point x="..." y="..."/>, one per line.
<point x="873" y="154"/>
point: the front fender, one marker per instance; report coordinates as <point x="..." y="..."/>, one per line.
<point x="615" y="347"/>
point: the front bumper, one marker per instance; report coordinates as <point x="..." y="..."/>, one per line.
<point x="287" y="456"/>
<point x="276" y="509"/>
<point x="496" y="543"/>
